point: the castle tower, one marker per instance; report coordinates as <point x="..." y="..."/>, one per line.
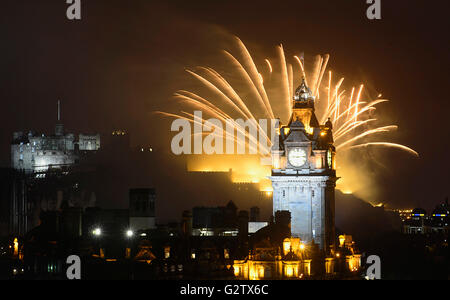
<point x="303" y="173"/>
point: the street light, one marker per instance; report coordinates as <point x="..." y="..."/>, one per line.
<point x="97" y="231"/>
<point x="129" y="233"/>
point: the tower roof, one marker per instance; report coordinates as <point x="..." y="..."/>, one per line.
<point x="231" y="205"/>
<point x="297" y="124"/>
<point x="303" y="92"/>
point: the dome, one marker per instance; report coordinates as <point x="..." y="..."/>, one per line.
<point x="303" y="92"/>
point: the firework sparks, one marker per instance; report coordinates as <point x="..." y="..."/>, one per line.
<point x="386" y="144"/>
<point x="269" y="65"/>
<point x="349" y="113"/>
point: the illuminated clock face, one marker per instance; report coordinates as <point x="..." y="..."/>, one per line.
<point x="329" y="158"/>
<point x="297" y="157"/>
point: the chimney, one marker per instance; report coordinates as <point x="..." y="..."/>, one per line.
<point x="254" y="214"/>
<point x="243" y="225"/>
<point x="283" y="219"/>
<point x="187" y="223"/>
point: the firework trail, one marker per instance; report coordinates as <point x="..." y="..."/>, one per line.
<point x="348" y="114"/>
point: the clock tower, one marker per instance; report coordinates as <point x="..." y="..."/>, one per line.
<point x="303" y="172"/>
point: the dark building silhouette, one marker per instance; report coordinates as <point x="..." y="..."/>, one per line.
<point x="254" y="214"/>
<point x="210" y="221"/>
<point x="142" y="209"/>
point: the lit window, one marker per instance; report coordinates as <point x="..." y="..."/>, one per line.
<point x="286" y="246"/>
<point x="289" y="271"/>
<point x="226" y="254"/>
<point x="166" y="252"/>
<point x="261" y="272"/>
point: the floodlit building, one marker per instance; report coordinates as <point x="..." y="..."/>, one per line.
<point x="37" y="153"/>
<point x="300" y="241"/>
<point x="303" y="172"/>
<point x="274" y="254"/>
<point x="348" y="253"/>
<point x="267" y="263"/>
<point x="419" y="222"/>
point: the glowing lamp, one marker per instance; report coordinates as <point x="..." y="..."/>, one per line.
<point x="236" y="271"/>
<point x="289" y="271"/>
<point x="16" y="247"/>
<point x="286" y="246"/>
<point x="261" y="272"/>
<point x="302" y="246"/>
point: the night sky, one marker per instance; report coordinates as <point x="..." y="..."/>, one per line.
<point x="124" y="59"/>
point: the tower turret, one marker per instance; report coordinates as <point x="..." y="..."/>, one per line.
<point x="303" y="107"/>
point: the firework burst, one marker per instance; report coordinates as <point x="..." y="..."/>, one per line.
<point x="272" y="87"/>
<point x="348" y="112"/>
